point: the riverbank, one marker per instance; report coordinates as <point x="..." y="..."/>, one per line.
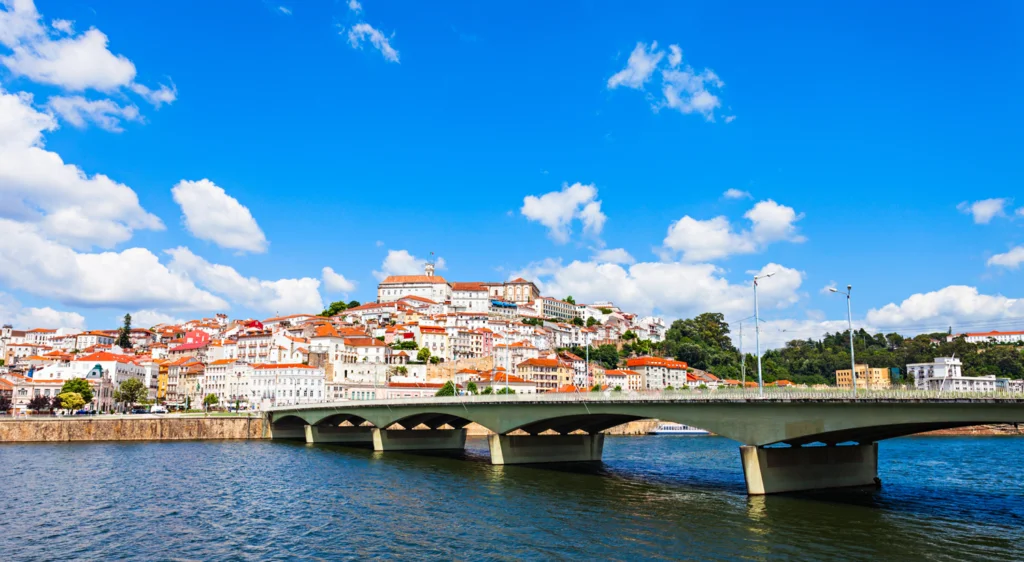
<point x="130" y="428"/>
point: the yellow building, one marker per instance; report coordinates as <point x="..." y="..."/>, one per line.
<point x="161" y="381"/>
<point x="547" y="374"/>
<point x="866" y="378"/>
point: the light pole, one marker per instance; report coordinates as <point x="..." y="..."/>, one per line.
<point x="849" y="319"/>
<point x="757" y="335"/>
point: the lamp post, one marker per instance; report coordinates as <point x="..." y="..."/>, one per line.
<point x="757" y="335"/>
<point x="849" y="319"/>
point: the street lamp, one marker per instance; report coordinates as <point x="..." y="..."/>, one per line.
<point x="757" y="334"/>
<point x="849" y="319"/>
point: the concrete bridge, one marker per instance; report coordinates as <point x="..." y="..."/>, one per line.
<point x="790" y="440"/>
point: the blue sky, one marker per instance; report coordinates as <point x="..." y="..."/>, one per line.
<point x="859" y="132"/>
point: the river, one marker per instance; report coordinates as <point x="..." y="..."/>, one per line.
<point x="653" y="498"/>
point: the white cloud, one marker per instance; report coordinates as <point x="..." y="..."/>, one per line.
<point x="733" y="193"/>
<point x="1011" y="259"/>
<point x="131" y="278"/>
<point x="163" y="94"/>
<point x="985" y="210"/>
<point x="149" y="318"/>
<point x="362" y="31"/>
<point x="281" y="296"/>
<point x="1020" y="212"/>
<point x="73" y="62"/>
<point x="557" y="209"/>
<point x="682" y="88"/>
<point x="639" y="68"/>
<point x="63" y="26"/>
<point x="336" y="282"/>
<point x="674" y="289"/>
<point x="11" y="312"/>
<point x="211" y="214"/>
<point x="614" y="255"/>
<point x="355" y="6"/>
<point x="700" y="240"/>
<point x="828" y="288"/>
<point x="948" y="306"/>
<point x="106" y="114"/>
<point x="401" y="262"/>
<point x="730" y="118"/>
<point x="284" y="10"/>
<point x="37" y="186"/>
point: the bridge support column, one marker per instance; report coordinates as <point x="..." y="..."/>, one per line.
<point x="418" y="439"/>
<point x="526" y="449"/>
<point x="336" y="434"/>
<point x="774" y="470"/>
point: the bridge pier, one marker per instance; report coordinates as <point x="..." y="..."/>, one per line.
<point x="336" y="434"/>
<point x="418" y="439"/>
<point x="774" y="470"/>
<point x="526" y="449"/>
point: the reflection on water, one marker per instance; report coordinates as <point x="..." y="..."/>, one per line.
<point x="653" y="498"/>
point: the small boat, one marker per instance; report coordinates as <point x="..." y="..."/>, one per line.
<point x="677" y="429"/>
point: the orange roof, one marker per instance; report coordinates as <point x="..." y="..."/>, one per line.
<point x="656" y="362"/>
<point x="283" y="366"/>
<point x="432" y="330"/>
<point x="326" y="331"/>
<point x="570" y="388"/>
<point x="416" y="384"/>
<point x="469" y="286"/>
<point x="620" y="372"/>
<point x="224" y="361"/>
<point x="364" y="341"/>
<point x="396" y="279"/>
<point x="993" y="334"/>
<point x="107" y="356"/>
<point x="542" y="363"/>
<point x="416" y="298"/>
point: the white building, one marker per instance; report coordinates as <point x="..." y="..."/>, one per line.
<point x="548" y="307"/>
<point x="427" y="286"/>
<point x="994" y="337"/>
<point x="287" y="384"/>
<point x="470" y="297"/>
<point x="946" y="374"/>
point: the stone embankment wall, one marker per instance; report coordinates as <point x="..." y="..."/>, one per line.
<point x="130" y="429"/>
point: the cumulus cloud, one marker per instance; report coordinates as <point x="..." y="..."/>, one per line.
<point x="11" y="312"/>
<point x="355" y="6"/>
<point x="557" y="209"/>
<point x="163" y="94"/>
<point x="674" y="289"/>
<point x="336" y="282"/>
<point x="614" y="255"/>
<point x="733" y="193"/>
<point x="641" y="65"/>
<point x="106" y="114"/>
<point x="682" y="87"/>
<point x="149" y="318"/>
<point x="74" y="62"/>
<point x="131" y="278"/>
<point x="283" y="295"/>
<point x="948" y="306"/>
<point x="715" y="238"/>
<point x="68" y="205"/>
<point x="1011" y="259"/>
<point x="211" y="214"/>
<point x="361" y="32"/>
<point x="401" y="262"/>
<point x="985" y="210"/>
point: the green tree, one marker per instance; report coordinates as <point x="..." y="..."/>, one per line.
<point x="130" y="392"/>
<point x="39" y="403"/>
<point x="471" y="388"/>
<point x="591" y="321"/>
<point x="423" y="356"/>
<point x="401" y="370"/>
<point x="80" y="386"/>
<point x="629" y="335"/>
<point x="124" y="335"/>
<point x="72" y="401"/>
<point x="596" y="388"/>
<point x="210" y="400"/>
<point x="435" y="360"/>
<point x="577" y="321"/>
<point x="5" y="404"/>
<point x="488" y="390"/>
<point x="353" y="304"/>
<point x="617" y="388"/>
<point x="335" y="308"/>
<point x="504" y="390"/>
<point x="55" y="403"/>
<point x="569" y="300"/>
<point x="447" y="390"/>
<point x="407" y="345"/>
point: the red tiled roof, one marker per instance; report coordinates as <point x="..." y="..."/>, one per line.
<point x="282" y="366"/>
<point x="656" y="362"/>
<point x="396" y="279"/>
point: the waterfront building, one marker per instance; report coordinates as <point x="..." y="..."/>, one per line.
<point x="657" y="373"/>
<point x="499" y="379"/>
<point x="946" y="374"/>
<point x="547" y="374"/>
<point x="866" y="378"/>
<point x="287" y="384"/>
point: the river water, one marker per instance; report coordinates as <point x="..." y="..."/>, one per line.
<point x="653" y="498"/>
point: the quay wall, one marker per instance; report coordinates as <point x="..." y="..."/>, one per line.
<point x="135" y="428"/>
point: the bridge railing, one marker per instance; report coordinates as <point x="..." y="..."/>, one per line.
<point x="696" y="396"/>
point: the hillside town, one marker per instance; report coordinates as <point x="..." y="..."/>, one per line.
<point x="422" y="333"/>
